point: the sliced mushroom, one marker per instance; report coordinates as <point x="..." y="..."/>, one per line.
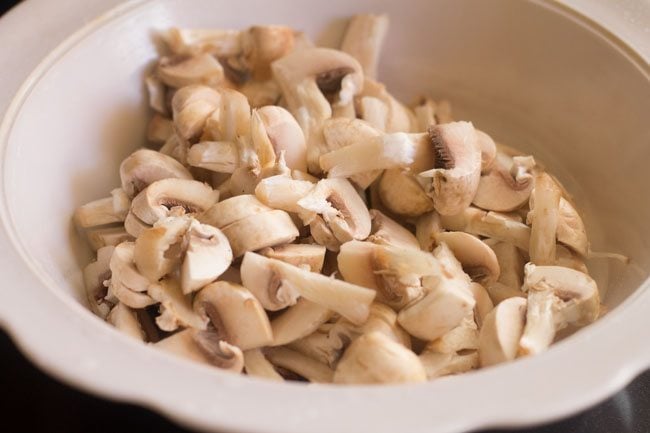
<point x="307" y="256"/>
<point x="159" y="129"/>
<point x="457" y="168"/>
<point x="488" y="152"/>
<point x="274" y="131"/>
<point x="277" y="285"/>
<point x="300" y="364"/>
<point x="462" y="337"/>
<point x="478" y="259"/>
<point x="235" y="313"/>
<point x="256" y="364"/>
<point x="502" y="190"/>
<point x="425" y="114"/>
<point x="322" y="345"/>
<point x="341" y="208"/>
<point x="184" y="71"/>
<point x="231" y="120"/>
<point x="557" y="297"/>
<point x="126" y="321"/>
<point x="207" y="256"/>
<point x="427" y="228"/>
<point x="569" y="259"/>
<point x="217" y="156"/>
<point x="221" y="43"/>
<point x="374" y="358"/>
<point x="443" y="364"/>
<point x="260" y="231"/>
<point x="282" y="192"/>
<point x="161" y="197"/>
<point x="384" y="111"/>
<point x="571" y="230"/>
<point x="232" y="210"/>
<point x="298" y="321"/>
<point x="96" y="279"/>
<point x="99" y="237"/>
<point x="544" y="218"/>
<point x="158" y="249"/>
<point x="484" y="303"/>
<point x="363" y="40"/>
<point x="108" y="210"/>
<point x="191" y="107"/>
<point x="385" y="231"/>
<point x="262" y="45"/>
<point x="134" y="226"/>
<point x="127" y="284"/>
<point x="511" y="264"/>
<point x="157" y="94"/>
<point x="175" y="307"/>
<point x="501" y="331"/>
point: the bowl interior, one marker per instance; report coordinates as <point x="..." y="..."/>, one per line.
<point x="579" y="107"/>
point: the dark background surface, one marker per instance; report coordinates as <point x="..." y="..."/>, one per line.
<point x="30" y="401"/>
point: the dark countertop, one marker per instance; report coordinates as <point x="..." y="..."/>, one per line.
<point x="54" y="407"/>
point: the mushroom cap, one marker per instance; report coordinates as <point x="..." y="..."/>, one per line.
<point x="144" y="166"/>
<point x="454" y="179"/>
<point x="208" y="255"/>
<point x="501" y="331"/>
<point x="158" y="199"/>
<point x="374" y="358"/>
<point x="478" y="259"/>
<point x="499" y="190"/>
<point x="232" y="210"/>
<point x="235" y="313"/>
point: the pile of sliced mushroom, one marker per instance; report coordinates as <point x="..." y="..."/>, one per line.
<point x="298" y="222"/>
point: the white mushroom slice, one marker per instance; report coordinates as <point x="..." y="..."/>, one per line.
<point x="126" y="321"/>
<point x="490" y="224"/>
<point x="96" y="278"/>
<point x="374" y="359"/>
<point x="425" y="114"/>
<point x="100" y="237"/>
<point x="222" y="43"/>
<point x="478" y="259"/>
<point x="161" y="197"/>
<point x="231" y="120"/>
<point x="176" y="149"/>
<point x="235" y="313"/>
<point x="184" y="71"/>
<point x="298" y="321"/>
<point x="443" y="112"/>
<point x="374" y="111"/>
<point x="500" y="190"/>
<point x="267" y="277"/>
<point x="262" y="45"/>
<point x="208" y="255"/>
<point x="488" y="151"/>
<point x="322" y="234"/>
<point x="158" y="249"/>
<point x="544" y="220"/>
<point x="322" y="346"/>
<point x="260" y="231"/>
<point x="484" y="303"/>
<point x="274" y="131"/>
<point x="159" y="129"/>
<point x="256" y="364"/>
<point x="134" y="226"/>
<point x="145" y="166"/>
<point x="557" y="297"/>
<point x="567" y="258"/>
<point x="309" y="78"/>
<point x="571" y="230"/>
<point x="124" y="271"/>
<point x="282" y="192"/>
<point x="441" y="310"/>
<point x="103" y="211"/>
<point x="500" y="292"/>
<point x="399" y="118"/>
<point x="511" y="264"/>
<point x="307" y="256"/>
<point x="443" y="364"/>
<point x="300" y="364"/>
<point x="385" y="231"/>
<point x="341" y="208"/>
<point x="454" y="179"/>
<point x="363" y="40"/>
<point x="127" y="296"/>
<point x="183" y="344"/>
<point x="157" y="94"/>
<point x="191" y="107"/>
<point x="232" y="210"/>
<point x="261" y="93"/>
<point x="383" y="319"/>
<point x="462" y="337"/>
<point x="175" y="308"/>
<point x="501" y="331"/>
<point x="218" y="156"/>
<point x="402" y="194"/>
<point x="427" y="228"/>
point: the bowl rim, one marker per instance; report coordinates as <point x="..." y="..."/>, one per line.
<point x="629" y="316"/>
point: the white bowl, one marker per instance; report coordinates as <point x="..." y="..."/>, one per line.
<point x="533" y="74"/>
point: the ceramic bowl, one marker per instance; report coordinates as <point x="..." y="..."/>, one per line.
<point x="533" y="74"/>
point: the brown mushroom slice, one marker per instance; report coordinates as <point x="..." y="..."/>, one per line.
<point x="484" y="303"/>
<point x="282" y="192"/>
<point x="308" y="256"/>
<point x="454" y="179"/>
<point x="207" y="256"/>
<point x="260" y="231"/>
<point x="488" y="151"/>
<point x="427" y="228"/>
<point x="145" y="167"/>
<point x="300" y="364"/>
<point x="179" y="72"/>
<point x="385" y="231"/>
<point x="265" y="277"/>
<point x="100" y="237"/>
<point x="232" y="210"/>
<point x="96" y="278"/>
<point x="374" y="358"/>
<point x="478" y="259"/>
<point x="104" y="211"/>
<point x="544" y="218"/>
<point x="256" y="364"/>
<point x="161" y="197"/>
<point x="502" y="191"/>
<point x="191" y="107"/>
<point x="341" y="208"/>
<point x="275" y="131"/>
<point x="363" y="40"/>
<point x="298" y="321"/>
<point x="127" y="284"/>
<point x="159" y="129"/>
<point x="557" y="297"/>
<point x="158" y="249"/>
<point x="309" y="77"/>
<point x="571" y="230"/>
<point x="501" y="331"/>
<point x="175" y="307"/>
<point x="221" y="43"/>
<point x="444" y="364"/>
<point x="217" y="156"/>
<point x="235" y="313"/>
<point x="126" y="321"/>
